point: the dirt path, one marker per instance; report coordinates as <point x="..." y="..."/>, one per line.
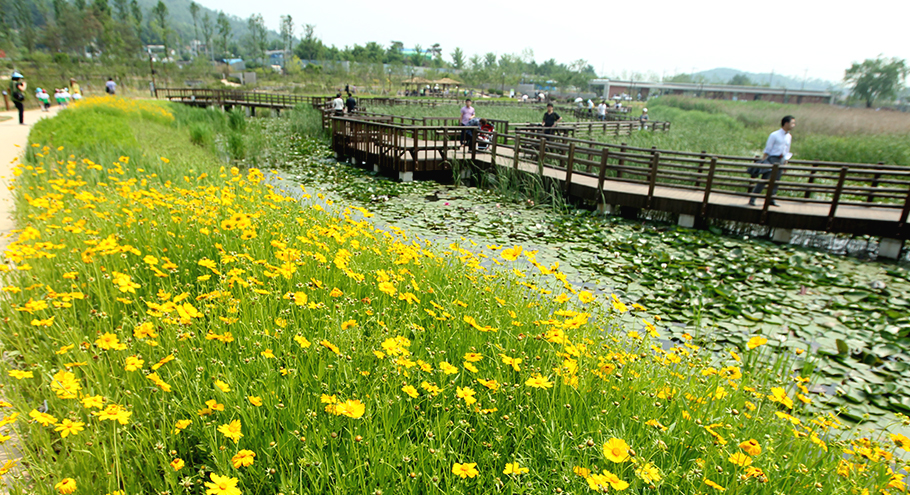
<point x="13" y="140"/>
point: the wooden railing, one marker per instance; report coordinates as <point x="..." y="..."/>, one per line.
<point x="813" y="183"/>
<point x="202" y="96"/>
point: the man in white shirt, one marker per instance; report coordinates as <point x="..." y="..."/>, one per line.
<point x="777" y="151"/>
<point x="338" y="105"/>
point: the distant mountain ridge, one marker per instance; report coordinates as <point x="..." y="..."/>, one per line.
<point x="723" y="75"/>
<point x="178" y="13"/>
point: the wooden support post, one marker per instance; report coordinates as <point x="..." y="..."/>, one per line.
<point x="652" y="178"/>
<point x="709" y="182"/>
<point x="836" y="198"/>
<point x="445" y="144"/>
<point x="517" y="150"/>
<point x="808" y="193"/>
<point x="769" y="192"/>
<point x="540" y="155"/>
<point x="474" y="143"/>
<point x="570" y="163"/>
<point x="604" y="156"/>
<point x="875" y="179"/>
<point x="905" y="212"/>
<point x="493" y="151"/>
<point x="701" y="165"/>
<point x="622" y="161"/>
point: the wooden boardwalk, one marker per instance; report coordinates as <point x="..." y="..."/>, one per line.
<point x="847" y="198"/>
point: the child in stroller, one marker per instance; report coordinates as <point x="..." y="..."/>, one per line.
<point x="485" y="135"/>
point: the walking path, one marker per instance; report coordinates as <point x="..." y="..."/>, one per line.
<point x="13" y="140"/>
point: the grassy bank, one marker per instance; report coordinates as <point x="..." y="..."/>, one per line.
<point x="175" y="325"/>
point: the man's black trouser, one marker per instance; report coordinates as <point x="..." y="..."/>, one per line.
<point x="21" y="107"/>
<point x="766" y="174"/>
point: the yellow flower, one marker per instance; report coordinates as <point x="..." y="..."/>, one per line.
<point x="67" y="427"/>
<point x="108" y="341"/>
<point x="336" y="292"/>
<point x="465" y="393"/>
<point x="177" y="464"/>
<point x="473" y="357"/>
<point x="514" y="468"/>
<point x="539" y="381"/>
<point x="94" y="401"/>
<point x="350" y="408"/>
<point x="751" y="447"/>
<point x="255" y="400"/>
<point x="466" y="470"/>
<point x="348" y="324"/>
<point x="756" y="341"/>
<point x="268" y="354"/>
<point x="387" y="288"/>
<point x="222" y="485"/>
<point x="224" y="387"/>
<point x="19" y="374"/>
<point x="243" y="458"/>
<point x="232" y="430"/>
<point x="585" y="297"/>
<point x="616" y="450"/>
<point x="330" y="346"/>
<point x="43" y="418"/>
<point x="778" y="394"/>
<point x="66" y="486"/>
<point x="447" y="368"/>
<point x="740" y="459"/>
<point x="410" y="390"/>
<point x="648" y="473"/>
<point x="133" y="363"/>
<point x="714" y="485"/>
<point x="182" y="425"/>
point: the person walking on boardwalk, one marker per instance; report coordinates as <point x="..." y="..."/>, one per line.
<point x="550" y="119"/>
<point x="17" y="87"/>
<point x="467" y="115"/>
<point x="338" y="105"/>
<point x="777" y="151"/>
<point x="350" y="103"/>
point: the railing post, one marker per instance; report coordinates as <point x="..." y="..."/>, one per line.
<point x="875" y="179"/>
<point x="604" y="156"/>
<point x="570" y="163"/>
<point x="808" y="193"/>
<point x="540" y="155"/>
<point x="772" y="181"/>
<point x="517" y="150"/>
<point x="652" y="178"/>
<point x="709" y="182"/>
<point x="836" y="198"/>
<point x="701" y="165"/>
<point x="493" y="151"/>
<point x="622" y="161"/>
<point x="473" y="143"/>
<point x="905" y="212"/>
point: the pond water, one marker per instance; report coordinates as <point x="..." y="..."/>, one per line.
<point x="845" y="316"/>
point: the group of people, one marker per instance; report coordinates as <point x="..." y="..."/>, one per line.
<point x="62" y="96"/>
<point x="340" y="105"/>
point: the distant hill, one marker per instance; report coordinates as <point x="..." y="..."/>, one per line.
<point x="723" y="75"/>
<point x="178" y="12"/>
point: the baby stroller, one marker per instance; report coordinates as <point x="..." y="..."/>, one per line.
<point x="485" y="135"/>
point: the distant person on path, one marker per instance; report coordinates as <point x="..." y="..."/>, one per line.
<point x="338" y="105"/>
<point x="17" y="87"/>
<point x="351" y="103"/>
<point x="777" y="151"/>
<point x="550" y="119"/>
<point x="602" y="111"/>
<point x="644" y="117"/>
<point x="467" y="115"/>
<point x="110" y="87"/>
<point x="44" y="98"/>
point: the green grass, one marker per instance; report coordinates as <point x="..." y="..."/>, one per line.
<point x="265" y="313"/>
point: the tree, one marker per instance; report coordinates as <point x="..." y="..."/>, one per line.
<point x="207" y="30"/>
<point x="417" y="56"/>
<point x="224" y="31"/>
<point x="159" y="17"/>
<point x="310" y="47"/>
<point x="137" y="16"/>
<point x="287" y="36"/>
<point x="489" y="60"/>
<point x="194" y="12"/>
<point x="457" y="58"/>
<point x="258" y="37"/>
<point x="881" y="78"/>
<point x="740" y="80"/>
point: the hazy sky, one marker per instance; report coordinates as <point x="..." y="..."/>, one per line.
<point x="659" y="36"/>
